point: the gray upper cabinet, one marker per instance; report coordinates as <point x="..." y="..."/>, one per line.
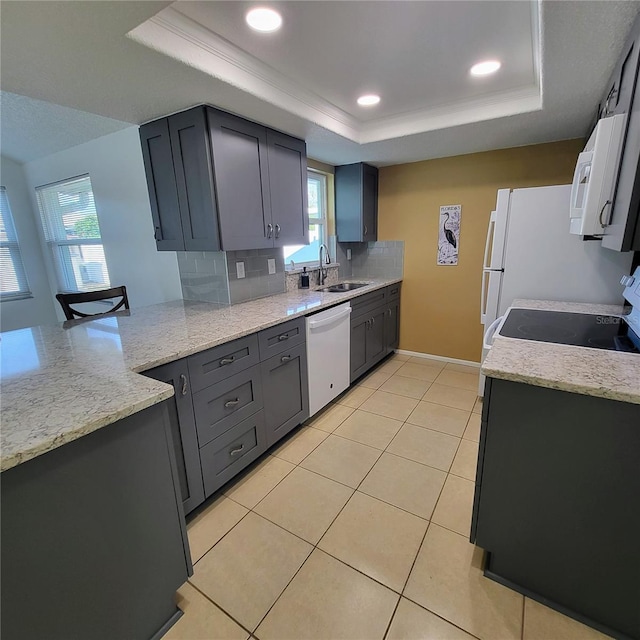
<point x="288" y="188"/>
<point x="622" y="96"/>
<point x="194" y="180"/>
<point x="218" y="181"/>
<point x="242" y="181"/>
<point x="357" y="202"/>
<point x="161" y="182"/>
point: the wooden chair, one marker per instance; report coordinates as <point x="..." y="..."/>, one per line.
<point x="67" y="299"/>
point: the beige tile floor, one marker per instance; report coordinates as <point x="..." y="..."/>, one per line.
<point x="356" y="527"/>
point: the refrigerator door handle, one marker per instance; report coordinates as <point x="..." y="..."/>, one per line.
<point x="483" y="296"/>
<point x="488" y="242"/>
<point x="488" y="335"/>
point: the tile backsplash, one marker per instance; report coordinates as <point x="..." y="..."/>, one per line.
<point x="382" y="259"/>
<point x="203" y="275"/>
<point x="212" y="276"/>
<point x="258" y="282"/>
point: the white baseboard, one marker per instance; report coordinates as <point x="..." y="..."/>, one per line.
<point x="417" y="354"/>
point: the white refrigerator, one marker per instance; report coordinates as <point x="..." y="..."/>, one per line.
<point x="529" y="253"/>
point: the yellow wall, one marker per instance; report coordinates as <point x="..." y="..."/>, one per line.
<point x="440" y="311"/>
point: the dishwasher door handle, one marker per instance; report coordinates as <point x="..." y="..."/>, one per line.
<point x="316" y="324"/>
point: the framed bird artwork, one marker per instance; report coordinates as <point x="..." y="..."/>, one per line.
<point x="449" y="234"/>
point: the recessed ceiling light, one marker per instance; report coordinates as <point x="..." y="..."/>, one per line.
<point x="485" y="68"/>
<point x="264" y="19"/>
<point x="368" y="100"/>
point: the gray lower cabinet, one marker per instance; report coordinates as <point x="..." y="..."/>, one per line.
<point x="556" y="501"/>
<point x="286" y="392"/>
<point x="232" y="402"/>
<point x="231" y="452"/>
<point x="94" y="543"/>
<point x="183" y="431"/>
<point x="375" y="328"/>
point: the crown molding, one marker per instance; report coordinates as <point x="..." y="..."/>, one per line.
<point x="176" y="35"/>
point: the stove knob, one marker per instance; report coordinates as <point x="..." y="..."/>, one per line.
<point x="627" y="281"/>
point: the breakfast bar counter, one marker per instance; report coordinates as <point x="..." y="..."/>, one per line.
<point x="61" y="382"/>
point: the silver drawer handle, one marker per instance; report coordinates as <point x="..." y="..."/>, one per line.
<point x="228" y="360"/>
<point x="366" y="230"/>
<point x="277" y="231"/>
<point x="183" y="380"/>
<point x="284" y="336"/>
<point x="236" y="451"/>
<point x="389" y="312"/>
<point x="231" y="403"/>
<point x="285" y="358"/>
<point x="373" y="321"/>
<point x="269" y="230"/>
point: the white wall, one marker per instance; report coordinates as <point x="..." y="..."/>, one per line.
<point x="15" y="314"/>
<point x="114" y="164"/>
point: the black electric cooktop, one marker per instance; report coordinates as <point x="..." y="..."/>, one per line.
<point x="578" y="329"/>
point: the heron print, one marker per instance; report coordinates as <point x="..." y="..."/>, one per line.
<point x="449" y="234"/>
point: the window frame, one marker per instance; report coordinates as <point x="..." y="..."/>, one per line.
<point x="322" y="220"/>
<point x="64" y="277"/>
<point x="12" y="243"/>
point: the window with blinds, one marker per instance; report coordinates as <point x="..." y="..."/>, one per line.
<point x="13" y="279"/>
<point x="72" y="231"/>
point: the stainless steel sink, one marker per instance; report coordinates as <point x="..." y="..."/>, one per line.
<point x="343" y="286"/>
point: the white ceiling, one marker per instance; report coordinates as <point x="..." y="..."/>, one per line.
<point x="78" y="55"/>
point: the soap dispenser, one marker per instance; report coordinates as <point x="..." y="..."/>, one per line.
<point x="304" y="279"/>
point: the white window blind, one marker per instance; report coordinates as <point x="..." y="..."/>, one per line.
<point x="13" y="279"/>
<point x="72" y="231"/>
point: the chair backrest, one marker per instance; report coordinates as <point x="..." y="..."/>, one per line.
<point x="67" y="299"/>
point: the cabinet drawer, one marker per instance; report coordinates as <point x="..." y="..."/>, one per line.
<point x="393" y="292"/>
<point x="221" y="406"/>
<point x="281" y="337"/>
<point x="225" y="456"/>
<point x="368" y="302"/>
<point x="217" y="364"/>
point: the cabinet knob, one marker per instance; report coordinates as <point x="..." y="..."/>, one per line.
<point x="236" y="451"/>
<point x="277" y="231"/>
<point x="269" y="230"/>
<point x="231" y="403"/>
<point x="228" y="360"/>
<point x="183" y="384"/>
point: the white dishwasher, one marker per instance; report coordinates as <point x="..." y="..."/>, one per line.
<point x="328" y="352"/>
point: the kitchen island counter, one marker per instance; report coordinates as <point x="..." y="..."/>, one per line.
<point x="596" y="372"/>
<point x="60" y="382"/>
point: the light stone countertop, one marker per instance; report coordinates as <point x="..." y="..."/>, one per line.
<point x="59" y="383"/>
<point x="595" y="372"/>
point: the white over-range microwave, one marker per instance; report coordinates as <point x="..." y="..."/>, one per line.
<point x="595" y="177"/>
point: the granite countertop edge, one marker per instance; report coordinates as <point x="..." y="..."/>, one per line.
<point x="612" y="375"/>
<point x="36" y="425"/>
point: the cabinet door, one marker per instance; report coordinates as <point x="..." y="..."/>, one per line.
<point x="369" y="203"/>
<point x="194" y="179"/>
<point x="240" y="163"/>
<point x="392" y="326"/>
<point x="286" y="392"/>
<point x="288" y="188"/>
<point x="358" y="359"/>
<point x="161" y="182"/>
<point x="183" y="432"/>
<point x="376" y="337"/>
<point x="623" y="96"/>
